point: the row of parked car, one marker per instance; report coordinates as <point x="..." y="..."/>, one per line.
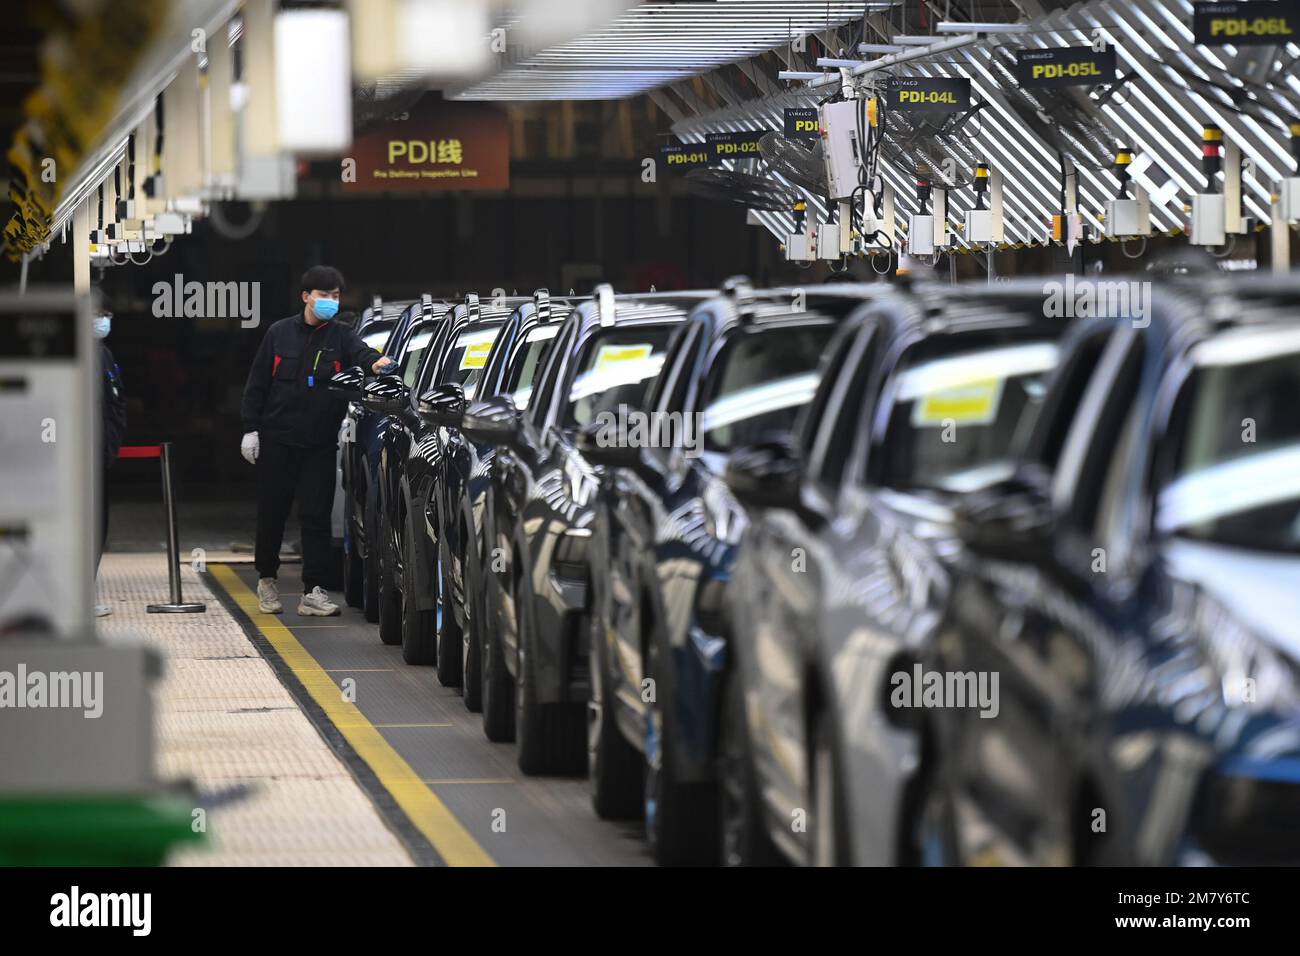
<point x="861" y="574"/>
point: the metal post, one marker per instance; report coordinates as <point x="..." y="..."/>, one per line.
<point x="177" y="604"/>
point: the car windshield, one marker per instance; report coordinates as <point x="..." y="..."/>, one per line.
<point x="468" y="357"/>
<point x="1236" y="445"/>
<point x="760" y="384"/>
<point x="960" y="409"/>
<point x="618" y="368"/>
<point x="527" y="362"/>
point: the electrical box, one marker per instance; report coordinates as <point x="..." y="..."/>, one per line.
<point x="1288" y="192"/>
<point x="841" y="147"/>
<point x="828" y="240"/>
<point x="801" y="247"/>
<point x="1209" y="212"/>
<point x="981" y="227"/>
<point x="920" y="235"/>
<point x="1124" y="218"/>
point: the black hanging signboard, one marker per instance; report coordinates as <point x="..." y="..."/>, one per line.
<point x="742" y="145"/>
<point x="686" y="156"/>
<point x="908" y="94"/>
<point x="1245" y="22"/>
<point x="1065" y="66"/>
<point x="801" y="122"/>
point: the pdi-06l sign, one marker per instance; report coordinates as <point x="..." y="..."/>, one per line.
<point x="687" y="156"/>
<point x="1245" y="23"/>
<point x="1065" y="66"/>
<point x="932" y="93"/>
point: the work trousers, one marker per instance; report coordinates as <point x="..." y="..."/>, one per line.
<point x="286" y="472"/>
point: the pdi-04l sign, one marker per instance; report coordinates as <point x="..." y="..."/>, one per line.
<point x="933" y="93"/>
<point x="1245" y="23"/>
<point x="1065" y="66"/>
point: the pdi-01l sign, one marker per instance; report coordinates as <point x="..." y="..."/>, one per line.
<point x="932" y="93"/>
<point x="1245" y="23"/>
<point x="687" y="156"/>
<point x="743" y="145"/>
<point x="1065" y="66"/>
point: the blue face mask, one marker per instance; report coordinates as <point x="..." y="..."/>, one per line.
<point x="325" y="308"/>
<point x="102" y="325"/>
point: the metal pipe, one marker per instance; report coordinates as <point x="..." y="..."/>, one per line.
<point x="942" y="46"/>
<point x="177" y="604"/>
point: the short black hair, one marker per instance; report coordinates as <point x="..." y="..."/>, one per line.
<point x="322" y="277"/>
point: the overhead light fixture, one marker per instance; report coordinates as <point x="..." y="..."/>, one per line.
<point x="950" y="27"/>
<point x="919" y="41"/>
<point x="880" y="48"/>
<point x="798" y="75"/>
<point x="834" y="63"/>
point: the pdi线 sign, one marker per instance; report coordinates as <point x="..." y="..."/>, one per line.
<point x="909" y="94"/>
<point x="801" y="122"/>
<point x="686" y="156"/>
<point x="1245" y="22"/>
<point x="1065" y="66"/>
<point x="741" y="145"/>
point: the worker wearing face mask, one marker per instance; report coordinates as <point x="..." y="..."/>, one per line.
<point x="292" y="422"/>
<point x="113" y="407"/>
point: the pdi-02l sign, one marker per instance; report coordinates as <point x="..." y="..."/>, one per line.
<point x="1245" y="23"/>
<point x="1065" y="66"/>
<point x="932" y="93"/>
<point x="742" y="145"/>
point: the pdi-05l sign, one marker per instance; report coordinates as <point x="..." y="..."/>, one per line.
<point x="1065" y="66"/>
<point x="933" y="93"/>
<point x="1245" y="23"/>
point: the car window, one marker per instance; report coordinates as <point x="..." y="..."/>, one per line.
<point x="409" y="367"/>
<point x="617" y="367"/>
<point x="377" y="334"/>
<point x="957" y="408"/>
<point x="528" y="362"/>
<point x="760" y="383"/>
<point x="1231" y="471"/>
<point x="467" y="358"/>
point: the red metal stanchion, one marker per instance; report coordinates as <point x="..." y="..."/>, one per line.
<point x="177" y="604"/>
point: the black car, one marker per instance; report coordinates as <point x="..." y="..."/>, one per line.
<point x="452" y="348"/>
<point x="1136" y="587"/>
<point x="359" y="450"/>
<point x="462" y="471"/>
<point x="839" y="583"/>
<point x="538" y="520"/>
<point x="740" y="370"/>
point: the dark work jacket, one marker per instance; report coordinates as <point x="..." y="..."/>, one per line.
<point x="287" y="396"/>
<point x="113" y="404"/>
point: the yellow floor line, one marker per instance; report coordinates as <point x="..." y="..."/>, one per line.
<point x="385" y="726"/>
<point x="429" y="814"/>
<point x="470" y="780"/>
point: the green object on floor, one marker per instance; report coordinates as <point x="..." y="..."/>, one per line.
<point x="93" y="830"/>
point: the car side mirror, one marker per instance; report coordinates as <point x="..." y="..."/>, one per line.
<point x="602" y="445"/>
<point x="348" y="383"/>
<point x="1013" y="518"/>
<point x="766" y="475"/>
<point x="386" y="394"/>
<point x="492" y="421"/>
<point x="443" y="404"/>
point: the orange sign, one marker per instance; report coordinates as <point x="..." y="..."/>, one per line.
<point x="437" y="146"/>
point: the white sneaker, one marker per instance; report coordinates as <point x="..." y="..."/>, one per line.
<point x="102" y="610"/>
<point x="317" y="603"/>
<point x="268" y="596"/>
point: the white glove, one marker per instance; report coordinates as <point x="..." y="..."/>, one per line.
<point x="248" y="448"/>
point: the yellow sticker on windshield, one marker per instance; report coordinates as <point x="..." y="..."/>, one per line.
<point x="973" y="404"/>
<point x="608" y="355"/>
<point x="476" y="355"/>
